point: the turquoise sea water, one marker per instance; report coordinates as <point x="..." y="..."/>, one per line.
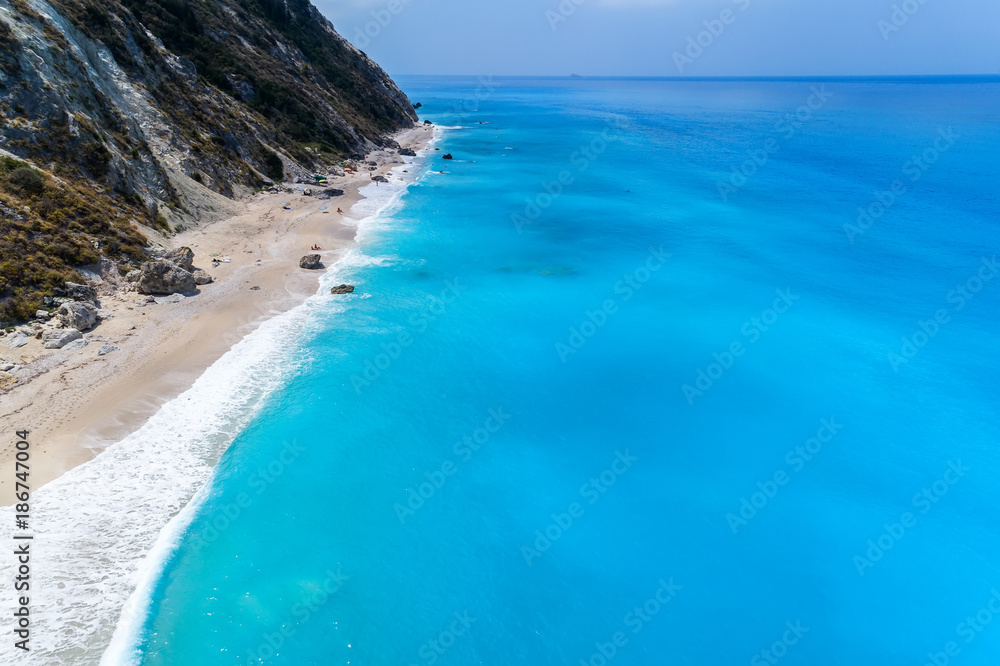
<point x="600" y="399"/>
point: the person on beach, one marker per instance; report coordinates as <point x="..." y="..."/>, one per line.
<point x="340" y="210"/>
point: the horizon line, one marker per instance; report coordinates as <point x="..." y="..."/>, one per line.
<point x="805" y="77"/>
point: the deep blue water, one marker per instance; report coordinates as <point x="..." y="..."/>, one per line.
<point x="527" y="347"/>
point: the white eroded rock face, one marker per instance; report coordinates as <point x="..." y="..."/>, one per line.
<point x="81" y="316"/>
<point x="57" y="338"/>
<point x="73" y="73"/>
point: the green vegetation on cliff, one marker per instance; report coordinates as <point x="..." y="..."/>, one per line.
<point x="130" y="106"/>
<point x="46" y="227"/>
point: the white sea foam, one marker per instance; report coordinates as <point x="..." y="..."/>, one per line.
<point x="104" y="530"/>
<point x="95" y="524"/>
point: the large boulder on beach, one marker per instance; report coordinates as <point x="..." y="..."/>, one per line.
<point x="57" y="338"/>
<point x="81" y="316"/>
<point x="164" y="277"/>
<point x="407" y="152"/>
<point x="311" y="261"/>
<point x="343" y="289"/>
<point x="16" y="340"/>
<point x="182" y="257"/>
<point x="78" y="292"/>
<point x="110" y="273"/>
<point x="201" y="277"/>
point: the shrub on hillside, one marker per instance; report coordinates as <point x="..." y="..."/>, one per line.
<point x="275" y="167"/>
<point x="27" y="180"/>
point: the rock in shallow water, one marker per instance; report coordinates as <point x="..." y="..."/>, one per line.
<point x="343" y="289"/>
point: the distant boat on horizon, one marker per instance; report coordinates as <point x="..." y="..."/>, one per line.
<point x="575" y="76"/>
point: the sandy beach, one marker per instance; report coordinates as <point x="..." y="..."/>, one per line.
<point x="76" y="403"/>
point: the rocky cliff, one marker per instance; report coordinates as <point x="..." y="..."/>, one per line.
<point x="145" y="112"/>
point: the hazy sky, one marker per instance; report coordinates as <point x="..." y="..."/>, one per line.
<point x="651" y="37"/>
